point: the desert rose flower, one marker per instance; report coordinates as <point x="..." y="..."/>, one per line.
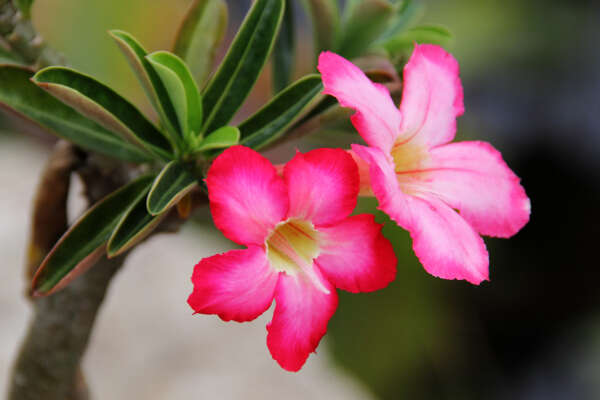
<point x="301" y="243"/>
<point x="445" y="194"/>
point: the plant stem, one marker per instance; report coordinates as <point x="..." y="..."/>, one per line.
<point x="48" y="364"/>
<point x="23" y="40"/>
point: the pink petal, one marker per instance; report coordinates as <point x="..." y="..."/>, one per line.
<point x="473" y="178"/>
<point x="364" y="176"/>
<point x="383" y="178"/>
<point x="322" y="185"/>
<point x="247" y="198"/>
<point x="444" y="242"/>
<point x="238" y="285"/>
<point x="355" y="256"/>
<point x="377" y="119"/>
<point x="300" y="319"/>
<point x="432" y="97"/>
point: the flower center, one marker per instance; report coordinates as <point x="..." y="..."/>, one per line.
<point x="292" y="246"/>
<point x="410" y="164"/>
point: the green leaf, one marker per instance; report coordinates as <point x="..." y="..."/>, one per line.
<point x="283" y="53"/>
<point x="151" y="82"/>
<point x="80" y="246"/>
<point x="226" y="136"/>
<point x="103" y="105"/>
<point x="364" y="21"/>
<point x="173" y="182"/>
<point x="25" y="7"/>
<point x="182" y="90"/>
<point x="406" y="16"/>
<point x="200" y="34"/>
<point x="243" y="63"/>
<point x="135" y="225"/>
<point x="270" y="121"/>
<point x="403" y="42"/>
<point x="19" y="94"/>
<point x="325" y="17"/>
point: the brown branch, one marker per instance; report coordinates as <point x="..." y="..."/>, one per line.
<point x="23" y="40"/>
<point x="48" y="364"/>
<point x="49" y="219"/>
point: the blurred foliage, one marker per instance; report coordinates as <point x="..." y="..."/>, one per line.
<point x="532" y="331"/>
<point x="398" y="338"/>
<point x="83" y="35"/>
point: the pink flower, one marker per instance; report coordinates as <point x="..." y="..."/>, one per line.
<point x="444" y="194"/>
<point x="301" y="245"/>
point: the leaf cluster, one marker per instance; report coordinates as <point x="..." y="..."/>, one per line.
<point x="194" y="111"/>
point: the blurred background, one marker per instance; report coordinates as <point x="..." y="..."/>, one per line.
<point x="531" y="74"/>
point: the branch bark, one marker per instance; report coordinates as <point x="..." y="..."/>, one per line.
<point x="23" y="40"/>
<point x="49" y="219"/>
<point x="48" y="364"/>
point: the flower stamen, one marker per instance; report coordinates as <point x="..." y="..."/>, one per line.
<point x="292" y="247"/>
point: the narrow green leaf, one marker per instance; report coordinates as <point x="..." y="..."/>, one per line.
<point x="322" y="106"/>
<point x="226" y="136"/>
<point x="135" y="225"/>
<point x="283" y="53"/>
<point x="19" y="94"/>
<point x="152" y="84"/>
<point x="407" y="15"/>
<point x="200" y="34"/>
<point x="404" y="42"/>
<point x="243" y="63"/>
<point x="103" y="105"/>
<point x="173" y="182"/>
<point x="182" y="90"/>
<point x="25" y="7"/>
<point x="270" y="121"/>
<point x="325" y="17"/>
<point x="365" y="21"/>
<point x="86" y="238"/>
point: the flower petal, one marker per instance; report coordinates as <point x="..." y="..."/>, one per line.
<point x="300" y="318"/>
<point x="383" y="178"/>
<point x="322" y="186"/>
<point x="355" y="256"/>
<point x="238" y="285"/>
<point x="473" y="178"/>
<point x="364" y="176"/>
<point x="247" y="197"/>
<point x="444" y="242"/>
<point x="377" y="119"/>
<point x="432" y="97"/>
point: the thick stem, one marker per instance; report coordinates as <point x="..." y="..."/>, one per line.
<point x="48" y="364"/>
<point x="23" y="40"/>
<point x="49" y="219"/>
